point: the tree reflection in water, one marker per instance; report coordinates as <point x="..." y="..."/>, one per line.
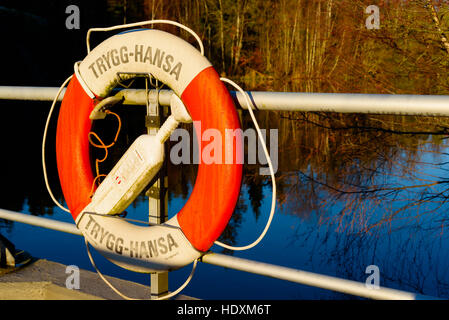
<point x="369" y="190"/>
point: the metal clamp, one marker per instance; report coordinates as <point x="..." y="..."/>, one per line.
<point x="99" y="110"/>
<point x="153" y="192"/>
<point x="152" y="121"/>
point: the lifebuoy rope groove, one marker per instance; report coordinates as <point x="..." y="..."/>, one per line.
<point x="192" y="231"/>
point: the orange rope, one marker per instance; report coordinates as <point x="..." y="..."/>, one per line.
<point x="93" y="184"/>
<point x="103" y="146"/>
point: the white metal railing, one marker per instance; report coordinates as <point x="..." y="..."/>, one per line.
<point x="264" y="269"/>
<point x="430" y="105"/>
<point x="29" y="93"/>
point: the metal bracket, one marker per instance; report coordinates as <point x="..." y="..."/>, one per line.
<point x="99" y="110"/>
<point x="10" y="257"/>
<point x="7" y="250"/>
<point x="153" y="192"/>
<point x="152" y="121"/>
<point x="123" y="76"/>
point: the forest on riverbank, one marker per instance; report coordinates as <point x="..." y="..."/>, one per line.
<point x="315" y="45"/>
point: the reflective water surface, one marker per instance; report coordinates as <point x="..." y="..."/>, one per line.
<point x="348" y="197"/>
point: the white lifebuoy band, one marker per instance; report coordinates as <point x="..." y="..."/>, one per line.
<point x="137" y="248"/>
<point x="170" y="59"/>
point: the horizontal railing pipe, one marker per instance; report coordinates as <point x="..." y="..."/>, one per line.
<point x="424" y="105"/>
<point x="236" y="263"/>
<point x="40" y="222"/>
<point x="29" y="93"/>
<point x="429" y="105"/>
<point x="309" y="278"/>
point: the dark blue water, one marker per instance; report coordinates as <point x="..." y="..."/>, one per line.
<point x="312" y="230"/>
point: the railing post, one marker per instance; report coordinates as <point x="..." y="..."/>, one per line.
<point x="157" y="194"/>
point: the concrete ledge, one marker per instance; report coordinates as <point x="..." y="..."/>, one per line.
<point x="43" y="279"/>
<point x="42" y="290"/>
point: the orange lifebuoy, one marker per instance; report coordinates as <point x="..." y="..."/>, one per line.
<point x="217" y="187"/>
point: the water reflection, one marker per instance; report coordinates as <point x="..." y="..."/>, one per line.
<point x="22" y="130"/>
<point x="360" y="196"/>
<point x="371" y="190"/>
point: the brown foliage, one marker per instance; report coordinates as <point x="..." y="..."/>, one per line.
<point x="325" y="46"/>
